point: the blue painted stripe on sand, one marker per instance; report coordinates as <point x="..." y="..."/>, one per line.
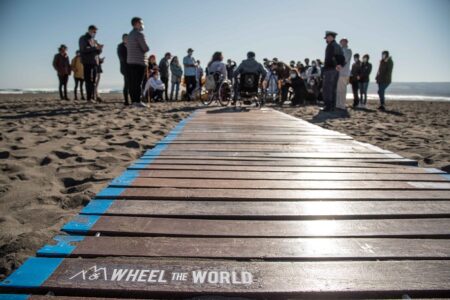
<point x="13" y="297"/>
<point x="33" y="273"/>
<point x="64" y="247"/>
<point x="81" y="224"/>
<point x="97" y="207"/>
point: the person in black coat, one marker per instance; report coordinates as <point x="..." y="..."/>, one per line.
<point x="334" y="61"/>
<point x="122" y="53"/>
<point x="364" y="79"/>
<point x="297" y="83"/>
<point x="90" y="51"/>
<point x="354" y="79"/>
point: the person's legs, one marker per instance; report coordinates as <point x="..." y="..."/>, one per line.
<point x="355" y="88"/>
<point x="65" y="80"/>
<point x="330" y="78"/>
<point x="364" y="86"/>
<point x="77" y="81"/>
<point x="165" y="80"/>
<point x="341" y="93"/>
<point x="60" y="79"/>
<point x="172" y="89"/>
<point x="190" y="85"/>
<point x="125" y="89"/>
<point x="381" y="93"/>
<point x="90" y="74"/>
<point x="81" y="89"/>
<point x="335" y="84"/>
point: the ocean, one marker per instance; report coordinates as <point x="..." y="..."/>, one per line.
<point x="413" y="91"/>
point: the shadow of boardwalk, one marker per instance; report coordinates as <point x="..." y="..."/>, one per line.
<point x="323" y="116"/>
<point x="49" y="113"/>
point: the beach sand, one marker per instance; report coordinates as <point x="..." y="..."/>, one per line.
<point x="55" y="156"/>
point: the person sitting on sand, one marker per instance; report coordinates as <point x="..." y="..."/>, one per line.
<point x="78" y="74"/>
<point x="364" y="79"/>
<point x="155" y="87"/>
<point x="384" y="76"/>
<point x="62" y="67"/>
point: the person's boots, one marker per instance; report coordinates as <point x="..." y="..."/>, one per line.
<point x="75" y="95"/>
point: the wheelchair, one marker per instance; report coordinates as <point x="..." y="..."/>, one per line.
<point x="221" y="93"/>
<point x="247" y="90"/>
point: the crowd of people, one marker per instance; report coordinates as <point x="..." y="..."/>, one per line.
<point x="145" y="78"/>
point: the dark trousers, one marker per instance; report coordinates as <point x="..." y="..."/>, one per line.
<point x="355" y="89"/>
<point x="330" y="81"/>
<point x="135" y="78"/>
<point x="381" y="91"/>
<point x="63" y="85"/>
<point x="78" y="81"/>
<point x="90" y="76"/>
<point x="165" y="80"/>
<point x="191" y="83"/>
<point x="284" y="92"/>
<point x="124" y="72"/>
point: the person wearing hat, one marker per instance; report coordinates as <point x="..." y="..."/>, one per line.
<point x="78" y="74"/>
<point x="344" y="75"/>
<point x="190" y="73"/>
<point x="90" y="51"/>
<point x="334" y="61"/>
<point x="62" y="66"/>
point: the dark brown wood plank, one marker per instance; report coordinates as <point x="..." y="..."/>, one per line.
<point x="149" y="226"/>
<point x="290" y="176"/>
<point x="233" y="194"/>
<point x="264" y="248"/>
<point x="279" y="184"/>
<point x="275" y="210"/>
<point x="263" y="279"/>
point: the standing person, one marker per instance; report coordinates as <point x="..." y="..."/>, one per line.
<point x="164" y="66"/>
<point x="122" y="53"/>
<point x="97" y="80"/>
<point x="90" y="50"/>
<point x="354" y="79"/>
<point x="384" y="76"/>
<point x="306" y="66"/>
<point x="137" y="61"/>
<point x="231" y="66"/>
<point x="78" y="74"/>
<point x="62" y="67"/>
<point x="334" y="61"/>
<point x="190" y="72"/>
<point x="177" y="73"/>
<point x="199" y="77"/>
<point x="364" y="79"/>
<point x="344" y="75"/>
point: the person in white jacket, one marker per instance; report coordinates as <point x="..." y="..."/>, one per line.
<point x="155" y="87"/>
<point x="344" y="75"/>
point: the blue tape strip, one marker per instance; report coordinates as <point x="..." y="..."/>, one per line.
<point x="33" y="273"/>
<point x="81" y="224"/>
<point x="13" y="297"/>
<point x="97" y="207"/>
<point x="434" y="170"/>
<point x="446" y="176"/>
<point x="64" y="247"/>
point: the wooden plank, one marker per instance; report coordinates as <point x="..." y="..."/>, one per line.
<point x="290" y="175"/>
<point x="149" y="226"/>
<point x="281" y="210"/>
<point x="194" y="183"/>
<point x="251" y="279"/>
<point x="260" y="194"/>
<point x="149" y="165"/>
<point x="258" y="248"/>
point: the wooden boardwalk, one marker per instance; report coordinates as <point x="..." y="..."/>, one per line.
<point x="255" y="204"/>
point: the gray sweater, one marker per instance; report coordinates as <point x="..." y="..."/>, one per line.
<point x="137" y="48"/>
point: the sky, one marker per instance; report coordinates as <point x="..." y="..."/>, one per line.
<point x="414" y="31"/>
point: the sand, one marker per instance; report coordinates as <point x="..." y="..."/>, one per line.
<point x="54" y="156"/>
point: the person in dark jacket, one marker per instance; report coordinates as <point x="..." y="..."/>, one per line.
<point x="384" y="76"/>
<point x="90" y="50"/>
<point x="122" y="53"/>
<point x="297" y="83"/>
<point x="164" y="66"/>
<point x="62" y="66"/>
<point x="364" y="79"/>
<point x="334" y="61"/>
<point x="354" y="79"/>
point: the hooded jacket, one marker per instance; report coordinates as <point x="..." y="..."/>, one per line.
<point x="61" y="64"/>
<point x="384" y="75"/>
<point x="77" y="67"/>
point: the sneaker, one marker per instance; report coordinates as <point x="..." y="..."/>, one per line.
<point x="381" y="107"/>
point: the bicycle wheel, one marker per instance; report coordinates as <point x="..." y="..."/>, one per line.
<point x="224" y="94"/>
<point x="208" y="98"/>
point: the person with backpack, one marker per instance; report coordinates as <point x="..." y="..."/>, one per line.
<point x="384" y="76"/>
<point x="364" y="79"/>
<point x="334" y="61"/>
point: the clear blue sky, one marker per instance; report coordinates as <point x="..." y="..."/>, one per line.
<point x="415" y="31"/>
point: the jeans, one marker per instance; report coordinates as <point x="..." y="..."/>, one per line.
<point x="81" y="82"/>
<point x="176" y="88"/>
<point x="165" y="80"/>
<point x="381" y="91"/>
<point x="191" y="83"/>
<point x="63" y="84"/>
<point x="363" y="92"/>
<point x="136" y="76"/>
<point x="330" y="81"/>
<point x="355" y="89"/>
<point x="90" y="76"/>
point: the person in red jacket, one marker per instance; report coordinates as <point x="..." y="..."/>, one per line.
<point x="62" y="66"/>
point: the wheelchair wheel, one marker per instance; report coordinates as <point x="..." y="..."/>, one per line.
<point x="225" y="94"/>
<point x="208" y="98"/>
